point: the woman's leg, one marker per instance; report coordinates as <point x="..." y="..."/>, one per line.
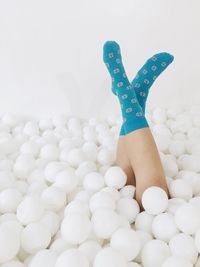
<point x="139" y="143"/>
<point x="123" y="161"/>
<point x="145" y="161"/>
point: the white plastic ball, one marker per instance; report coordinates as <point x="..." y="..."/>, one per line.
<point x="112" y="191"/>
<point x="30" y="147"/>
<point x="106" y="156"/>
<point x="53" y="198"/>
<point x="115" y="177"/>
<point x="7" y="179"/>
<point x="173" y="112"/>
<point x="102" y="127"/>
<point x="66" y="180"/>
<point x="103" y="169"/>
<point x="31" y="128"/>
<point x="8" y="217"/>
<point x="197" y="240"/>
<point x="170" y="167"/>
<point x="128" y="191"/>
<point x="9" y="242"/>
<point x="61" y="132"/>
<point x="41" y="163"/>
<point x="176" y="147"/>
<point x="144" y="238"/>
<point x="36" y="188"/>
<point x="123" y="222"/>
<point x="35" y="237"/>
<point x="183" y="245"/>
<point x="77" y="206"/>
<point x="164" y="226"/>
<point x="86" y="167"/>
<point x="143" y="221"/>
<point x="187" y="218"/>
<point x="59" y="120"/>
<point x="193" y="133"/>
<point x="23" y="166"/>
<point x="10" y="119"/>
<point x="52" y="169"/>
<point x="90" y="248"/>
<point x="51" y="221"/>
<point x="198" y="262"/>
<point x="8" y="145"/>
<point x="159" y="115"/>
<point x="194" y="181"/>
<point x="129" y="208"/>
<point x="49" y="151"/>
<point x="49" y="137"/>
<point x="133" y="264"/>
<point x="127" y="242"/>
<point x="174" y="204"/>
<point x="195" y="201"/>
<point x="101" y="200"/>
<point x="75" y="228"/>
<point x="9" y="200"/>
<point x="43" y="258"/>
<point x="76" y="139"/>
<point x="93" y="121"/>
<point x="59" y="245"/>
<point x="72" y="257"/>
<point x="162" y="142"/>
<point x="109" y="142"/>
<point x="109" y="257"/>
<point x="93" y="181"/>
<point x="179" y="136"/>
<point x="63" y="157"/>
<point x="73" y="122"/>
<point x="154" y="253"/>
<point x="83" y="196"/>
<point x="30" y="210"/>
<point x="189" y="162"/>
<point x="37" y="175"/>
<point x="174" y="261"/>
<point x="154" y="200"/>
<point x="102" y="217"/>
<point x="6" y="165"/>
<point x="179" y="188"/>
<point x="45" y="124"/>
<point x="13" y="263"/>
<point x="112" y="120"/>
<point x="38" y="140"/>
<point x="75" y="157"/>
<point x="66" y="143"/>
<point x="89" y="134"/>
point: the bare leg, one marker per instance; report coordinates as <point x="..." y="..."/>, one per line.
<point x="145" y="161"/>
<point x="123" y="161"/>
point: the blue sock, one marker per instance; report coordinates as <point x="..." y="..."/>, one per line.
<point x="146" y="76"/>
<point x="132" y="113"/>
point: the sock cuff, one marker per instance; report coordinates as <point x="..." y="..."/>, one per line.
<point x="135" y="124"/>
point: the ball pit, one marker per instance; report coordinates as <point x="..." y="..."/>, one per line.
<point x="65" y="202"/>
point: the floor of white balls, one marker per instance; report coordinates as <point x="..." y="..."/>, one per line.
<point x="65" y="203"/>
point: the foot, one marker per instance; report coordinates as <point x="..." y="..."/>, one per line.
<point x="133" y="117"/>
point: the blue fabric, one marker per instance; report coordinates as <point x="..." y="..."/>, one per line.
<point x="133" y="116"/>
<point x="145" y="77"/>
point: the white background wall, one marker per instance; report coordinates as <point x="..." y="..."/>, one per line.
<point x="51" y="53"/>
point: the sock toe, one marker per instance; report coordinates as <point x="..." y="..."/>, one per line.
<point x="111" y="45"/>
<point x="111" y="50"/>
<point x="164" y="57"/>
